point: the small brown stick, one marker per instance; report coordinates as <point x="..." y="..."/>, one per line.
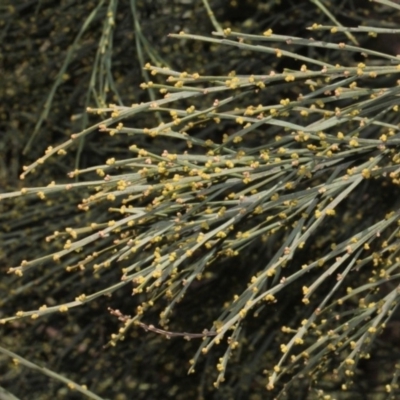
<point x="168" y="334"/>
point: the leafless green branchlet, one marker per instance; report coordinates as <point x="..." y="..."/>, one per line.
<point x="259" y="210"/>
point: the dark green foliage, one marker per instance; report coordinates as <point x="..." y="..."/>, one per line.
<point x="224" y="204"/>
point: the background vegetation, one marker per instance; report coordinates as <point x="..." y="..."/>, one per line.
<point x="202" y="186"/>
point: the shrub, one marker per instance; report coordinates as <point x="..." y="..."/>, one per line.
<point x="246" y="199"/>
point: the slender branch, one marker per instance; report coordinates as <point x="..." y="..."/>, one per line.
<point x="168" y="334"/>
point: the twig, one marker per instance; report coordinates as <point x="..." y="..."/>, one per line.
<point x="168" y="334"/>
